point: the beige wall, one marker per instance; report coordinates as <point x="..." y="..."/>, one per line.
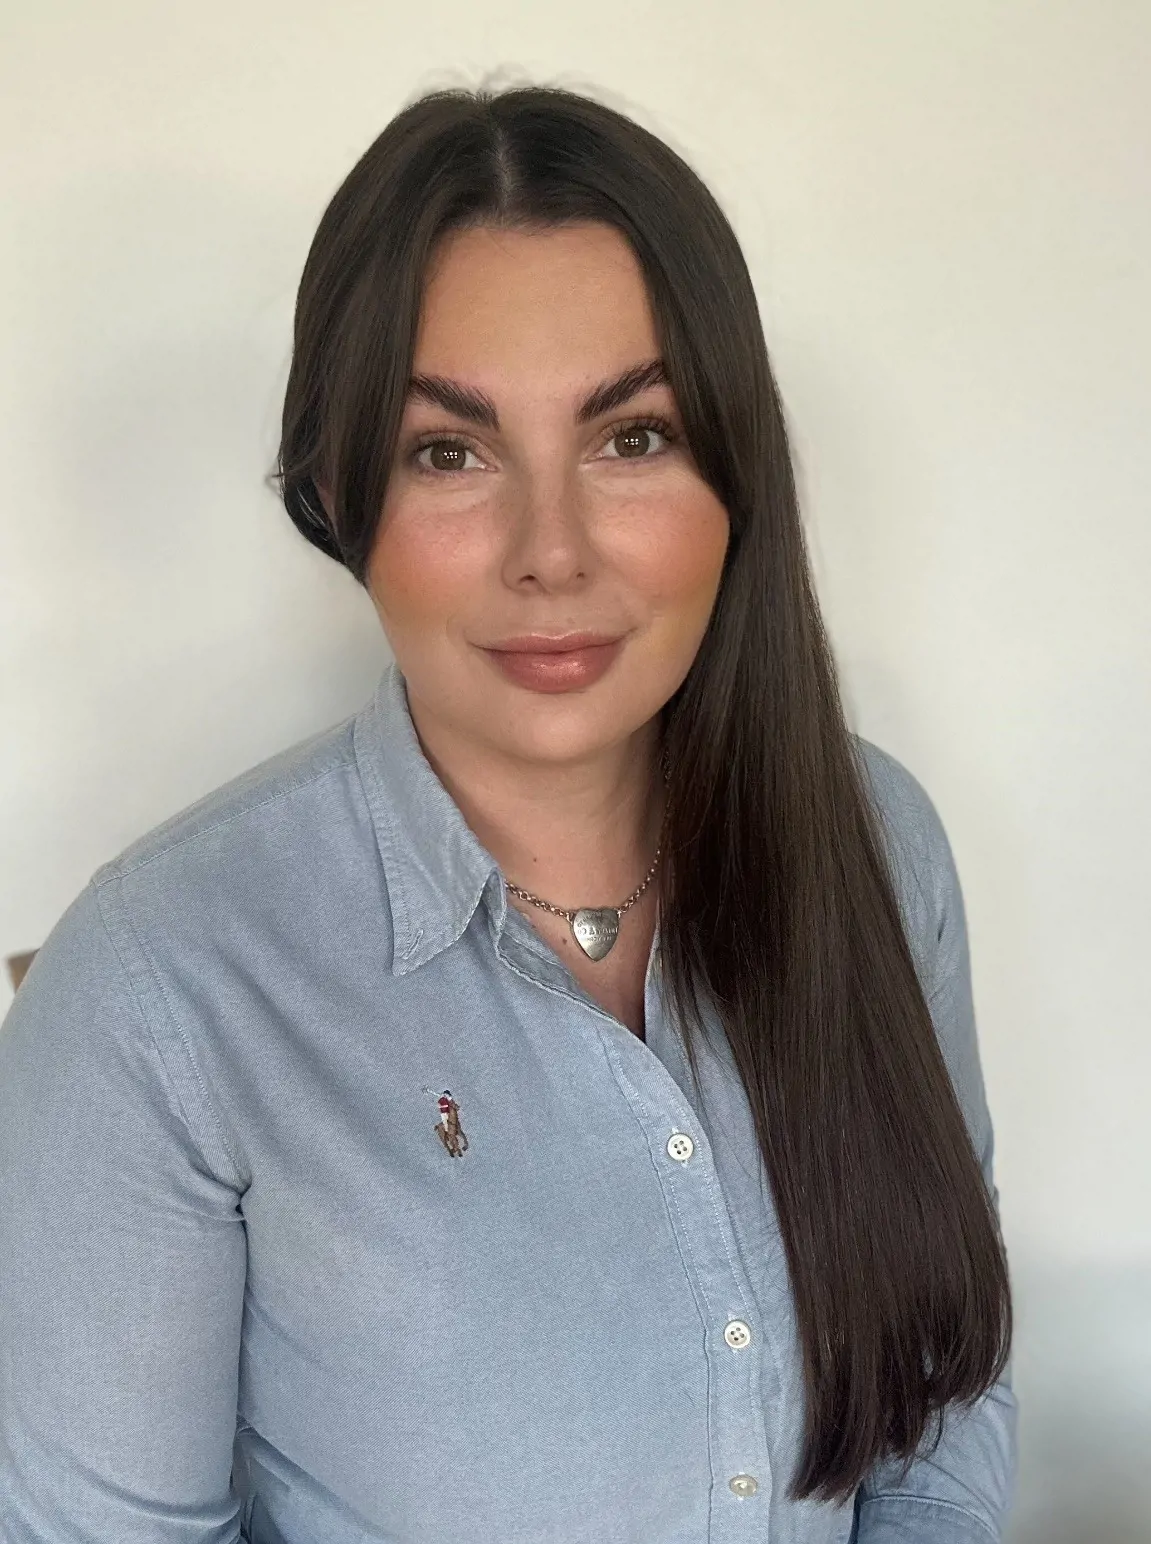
<point x="946" y="211"/>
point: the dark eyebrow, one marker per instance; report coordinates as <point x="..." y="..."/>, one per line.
<point x="454" y="397"/>
<point x="464" y="402"/>
<point x="609" y="395"/>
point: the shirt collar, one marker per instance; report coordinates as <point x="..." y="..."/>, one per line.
<point x="435" y="867"/>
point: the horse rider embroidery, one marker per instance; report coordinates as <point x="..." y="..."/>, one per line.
<point x="449" y="1130"/>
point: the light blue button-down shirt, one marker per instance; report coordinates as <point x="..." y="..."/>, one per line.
<point x="258" y="1283"/>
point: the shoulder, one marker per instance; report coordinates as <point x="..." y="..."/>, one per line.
<point x="226" y="896"/>
<point x="242" y="852"/>
<point x="908" y="814"/>
<point x="251" y="863"/>
<point x="275" y="794"/>
<point x="905" y="807"/>
<point x="918" y="848"/>
<point x="228" y="888"/>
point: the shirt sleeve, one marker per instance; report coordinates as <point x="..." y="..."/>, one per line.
<point x="124" y="1255"/>
<point x="961" y="1493"/>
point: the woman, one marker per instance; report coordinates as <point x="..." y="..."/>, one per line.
<point x="547" y="1105"/>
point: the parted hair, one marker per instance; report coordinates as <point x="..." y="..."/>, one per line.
<point x="777" y="901"/>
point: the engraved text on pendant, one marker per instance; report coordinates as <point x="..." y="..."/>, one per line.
<point x="596" y="929"/>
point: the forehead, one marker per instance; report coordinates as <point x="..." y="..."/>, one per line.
<point x="566" y="302"/>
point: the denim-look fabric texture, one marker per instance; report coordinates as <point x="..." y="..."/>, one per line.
<point x="247" y="1293"/>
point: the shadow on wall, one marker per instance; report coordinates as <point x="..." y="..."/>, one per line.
<point x="18" y="967"/>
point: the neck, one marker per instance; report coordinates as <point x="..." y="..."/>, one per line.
<point x="578" y="833"/>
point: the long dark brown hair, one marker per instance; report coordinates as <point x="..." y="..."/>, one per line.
<point x="776" y="899"/>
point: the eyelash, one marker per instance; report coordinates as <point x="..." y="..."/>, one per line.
<point x="660" y="425"/>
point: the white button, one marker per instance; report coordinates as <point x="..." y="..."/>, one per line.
<point x="737" y="1334"/>
<point x="680" y="1147"/>
<point x="743" y="1484"/>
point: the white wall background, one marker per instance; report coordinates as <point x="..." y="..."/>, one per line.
<point x="945" y="207"/>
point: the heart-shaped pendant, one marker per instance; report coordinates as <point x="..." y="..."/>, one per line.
<point x="596" y="929"/>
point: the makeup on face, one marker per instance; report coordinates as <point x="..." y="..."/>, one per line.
<point x="561" y="664"/>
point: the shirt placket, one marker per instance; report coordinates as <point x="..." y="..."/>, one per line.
<point x="734" y="1337"/>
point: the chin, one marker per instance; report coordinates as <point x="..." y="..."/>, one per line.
<point x="563" y="727"/>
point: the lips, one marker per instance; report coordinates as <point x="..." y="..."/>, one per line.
<point x="554" y="664"/>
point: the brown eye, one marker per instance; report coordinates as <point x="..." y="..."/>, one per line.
<point x="638" y="442"/>
<point x="444" y="456"/>
<point x="633" y="442"/>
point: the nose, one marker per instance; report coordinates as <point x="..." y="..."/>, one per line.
<point x="549" y="539"/>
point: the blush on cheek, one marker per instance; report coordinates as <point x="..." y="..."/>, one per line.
<point x="420" y="574"/>
<point x="677" y="558"/>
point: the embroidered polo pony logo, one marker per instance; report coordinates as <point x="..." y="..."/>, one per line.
<point x="448" y="1129"/>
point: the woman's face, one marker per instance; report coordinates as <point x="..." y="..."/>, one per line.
<point x="542" y="519"/>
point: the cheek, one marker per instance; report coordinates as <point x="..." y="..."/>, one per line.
<point x="422" y="569"/>
<point x="675" y="555"/>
